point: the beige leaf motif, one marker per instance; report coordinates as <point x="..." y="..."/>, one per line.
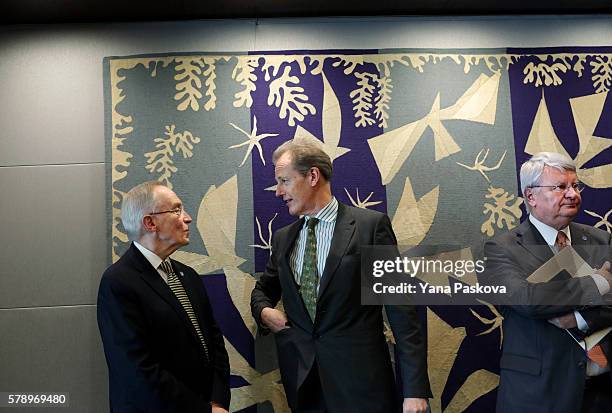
<point x="188" y="71"/>
<point x="362" y="98"/>
<point x="543" y="73"/>
<point x="602" y="73"/>
<point x="370" y="107"/>
<point x="382" y="101"/>
<point x="503" y="211"/>
<point x="286" y="94"/>
<point x="160" y="160"/>
<point x="244" y="74"/>
<point x="210" y="84"/>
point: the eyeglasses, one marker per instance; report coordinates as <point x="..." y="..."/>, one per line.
<point x="562" y="188"/>
<point x="176" y="211"/>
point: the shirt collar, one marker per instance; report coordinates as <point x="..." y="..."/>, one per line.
<point x="328" y="213"/>
<point x="548" y="233"/>
<point x="149" y="255"/>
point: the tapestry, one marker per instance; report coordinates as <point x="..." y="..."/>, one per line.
<point x="433" y="138"/>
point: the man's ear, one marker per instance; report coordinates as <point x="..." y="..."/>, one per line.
<point x="530" y="197"/>
<point x="315" y="176"/>
<point x="148" y="224"/>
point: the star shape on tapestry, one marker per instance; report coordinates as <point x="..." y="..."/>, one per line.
<point x="357" y="202"/>
<point x="253" y="141"/>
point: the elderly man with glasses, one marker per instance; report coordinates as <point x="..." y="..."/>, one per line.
<point x="163" y="348"/>
<point x="546" y="365"/>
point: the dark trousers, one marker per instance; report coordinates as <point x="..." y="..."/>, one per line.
<point x="597" y="394"/>
<point x="310" y="394"/>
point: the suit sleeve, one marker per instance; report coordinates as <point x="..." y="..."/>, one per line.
<point x="267" y="291"/>
<point x="121" y="323"/>
<point x="535" y="300"/>
<point x="408" y="332"/>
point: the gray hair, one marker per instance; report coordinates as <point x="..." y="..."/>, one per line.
<point x="532" y="170"/>
<point x="305" y="156"/>
<point x="138" y="202"/>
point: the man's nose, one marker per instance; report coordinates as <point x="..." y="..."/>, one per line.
<point x="278" y="192"/>
<point x="186" y="217"/>
<point x="571" y="192"/>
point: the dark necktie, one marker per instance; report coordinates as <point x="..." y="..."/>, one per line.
<point x="179" y="291"/>
<point x="310" y="278"/>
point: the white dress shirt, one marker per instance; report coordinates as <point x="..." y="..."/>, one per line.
<point x="324" y="232"/>
<point x="153" y="259"/>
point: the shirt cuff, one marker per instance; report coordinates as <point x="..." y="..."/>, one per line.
<point x="581" y="322"/>
<point x="602" y="283"/>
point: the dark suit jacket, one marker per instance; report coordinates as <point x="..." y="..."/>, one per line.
<point x="155" y="360"/>
<point x="346" y="340"/>
<point x="542" y="368"/>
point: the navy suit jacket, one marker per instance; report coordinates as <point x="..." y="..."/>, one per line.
<point x="346" y="340"/>
<point x="155" y="360"/>
<point x="542" y="369"/>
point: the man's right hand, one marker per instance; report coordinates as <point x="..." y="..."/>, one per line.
<point x="605" y="271"/>
<point x="274" y="319"/>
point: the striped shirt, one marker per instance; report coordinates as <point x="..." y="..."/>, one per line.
<point x="324" y="231"/>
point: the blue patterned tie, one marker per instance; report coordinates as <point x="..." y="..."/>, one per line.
<point x="179" y="291"/>
<point x="310" y="277"/>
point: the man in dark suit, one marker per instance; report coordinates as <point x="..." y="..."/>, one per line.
<point x="163" y="349"/>
<point x="544" y="365"/>
<point x="332" y="351"/>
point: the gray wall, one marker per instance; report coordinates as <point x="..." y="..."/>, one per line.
<point x="52" y="206"/>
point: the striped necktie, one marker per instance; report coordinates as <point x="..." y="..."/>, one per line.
<point x="179" y="291"/>
<point x="310" y="279"/>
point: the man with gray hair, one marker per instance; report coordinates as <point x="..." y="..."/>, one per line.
<point x="164" y="351"/>
<point x="332" y="350"/>
<point x="546" y="365"/>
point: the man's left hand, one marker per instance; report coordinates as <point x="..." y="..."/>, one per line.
<point x="565" y="321"/>
<point x="414" y="405"/>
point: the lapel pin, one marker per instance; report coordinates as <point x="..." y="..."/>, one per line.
<point x="584" y="237"/>
<point x="181" y="272"/>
